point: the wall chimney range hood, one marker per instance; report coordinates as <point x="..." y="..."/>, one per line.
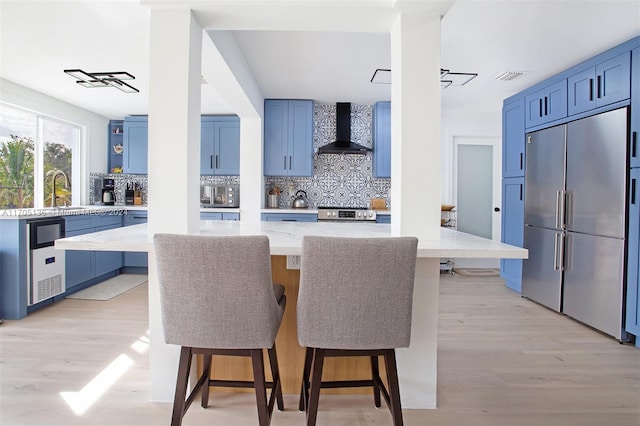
<point x="343" y="144"/>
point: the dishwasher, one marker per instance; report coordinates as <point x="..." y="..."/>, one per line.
<point x="46" y="265"/>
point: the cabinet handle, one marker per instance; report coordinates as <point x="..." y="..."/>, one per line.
<point x="590" y="89"/>
<point x="289" y="162"/>
<point x="285" y="163"/>
<point x="521" y="161"/>
<point x="217" y="161"/>
<point x="546" y="105"/>
<point x="521" y="192"/>
<point x="599" y="88"/>
<point x="634" y="143"/>
<point x="633" y="191"/>
<point x="211" y="161"/>
<point x="540" y="107"/>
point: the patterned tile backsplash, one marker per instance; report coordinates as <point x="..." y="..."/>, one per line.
<point x="339" y="180"/>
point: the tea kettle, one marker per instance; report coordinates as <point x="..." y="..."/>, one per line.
<point x="300" y="200"/>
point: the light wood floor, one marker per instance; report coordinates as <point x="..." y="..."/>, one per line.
<point x="502" y="360"/>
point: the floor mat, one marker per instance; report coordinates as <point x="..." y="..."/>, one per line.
<point x="110" y="288"/>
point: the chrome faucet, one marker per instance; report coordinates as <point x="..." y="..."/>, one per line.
<point x="56" y="173"/>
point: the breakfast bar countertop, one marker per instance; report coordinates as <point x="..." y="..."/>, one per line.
<point x="286" y="238"/>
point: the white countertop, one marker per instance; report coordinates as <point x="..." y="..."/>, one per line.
<point x="286" y="238"/>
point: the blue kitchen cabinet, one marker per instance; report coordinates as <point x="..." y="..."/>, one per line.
<point x="634" y="149"/>
<point x="86" y="267"/>
<point x="512" y="229"/>
<point x="210" y="216"/>
<point x="289" y="217"/>
<point x="382" y="140"/>
<point x="288" y="137"/>
<point x="219" y="216"/>
<point x="383" y="218"/>
<point x="513" y="139"/>
<point x="136" y="135"/>
<point x="632" y="320"/>
<point x="135" y="259"/>
<point x="603" y="84"/>
<point x="546" y="105"/>
<point x="116" y="141"/>
<point x="78" y="263"/>
<point x="220" y="146"/>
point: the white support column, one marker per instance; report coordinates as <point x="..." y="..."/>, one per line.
<point x="174" y="166"/>
<point x="415" y="187"/>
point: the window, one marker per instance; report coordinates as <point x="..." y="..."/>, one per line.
<point x="35" y="150"/>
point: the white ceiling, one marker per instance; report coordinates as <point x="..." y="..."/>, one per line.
<point x="39" y="39"/>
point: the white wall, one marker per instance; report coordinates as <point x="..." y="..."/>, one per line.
<point x="94" y="143"/>
<point x="467" y="123"/>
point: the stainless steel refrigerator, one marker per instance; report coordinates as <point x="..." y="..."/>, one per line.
<point x="575" y="188"/>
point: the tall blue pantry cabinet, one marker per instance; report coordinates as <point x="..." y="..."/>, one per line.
<point x="513" y="188"/>
<point x="608" y="81"/>
<point x="632" y="317"/>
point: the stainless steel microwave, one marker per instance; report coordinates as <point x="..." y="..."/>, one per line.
<point x="215" y="195"/>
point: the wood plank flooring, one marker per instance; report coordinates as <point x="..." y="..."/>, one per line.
<point x="502" y="360"/>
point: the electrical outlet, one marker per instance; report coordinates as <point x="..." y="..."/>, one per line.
<point x="293" y="262"/>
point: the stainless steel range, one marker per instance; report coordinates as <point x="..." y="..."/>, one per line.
<point x="358" y="214"/>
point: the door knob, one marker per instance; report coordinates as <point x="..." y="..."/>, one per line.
<point x="496" y="209"/>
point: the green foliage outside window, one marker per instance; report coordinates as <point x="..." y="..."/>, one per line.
<point x="17" y="173"/>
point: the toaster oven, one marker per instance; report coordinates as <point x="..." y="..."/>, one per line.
<point x="215" y="195"/>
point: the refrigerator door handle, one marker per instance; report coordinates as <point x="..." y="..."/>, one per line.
<point x="556" y="265"/>
<point x="565" y="252"/>
<point x="560" y="208"/>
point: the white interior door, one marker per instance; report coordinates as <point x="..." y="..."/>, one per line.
<point x="477" y="173"/>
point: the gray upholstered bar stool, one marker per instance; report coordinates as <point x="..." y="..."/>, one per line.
<point x="217" y="298"/>
<point x="355" y="299"/>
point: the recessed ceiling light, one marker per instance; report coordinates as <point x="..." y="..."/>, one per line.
<point x="509" y="75"/>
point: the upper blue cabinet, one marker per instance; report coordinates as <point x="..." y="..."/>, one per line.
<point x="513" y="146"/>
<point x="288" y="137"/>
<point x="603" y="84"/>
<point x="382" y="140"/>
<point x="547" y="104"/>
<point x="135" y="145"/>
<point x="634" y="149"/>
<point x="115" y="149"/>
<point x="220" y="145"/>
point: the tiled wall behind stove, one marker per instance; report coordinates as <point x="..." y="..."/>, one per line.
<point x="339" y="180"/>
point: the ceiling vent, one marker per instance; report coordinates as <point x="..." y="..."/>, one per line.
<point x="510" y="75"/>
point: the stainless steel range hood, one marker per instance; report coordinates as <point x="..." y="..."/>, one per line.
<point x="343" y="143"/>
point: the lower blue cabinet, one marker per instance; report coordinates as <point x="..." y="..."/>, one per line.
<point x="131" y="258"/>
<point x="289" y="217"/>
<point x="632" y="320"/>
<point x="383" y="218"/>
<point x="82" y="266"/>
<point x="512" y="229"/>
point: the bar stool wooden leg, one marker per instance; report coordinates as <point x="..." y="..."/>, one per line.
<point x="375" y="376"/>
<point x="304" y="387"/>
<point x="316" y="383"/>
<point x="394" y="388"/>
<point x="257" y="361"/>
<point x="206" y="372"/>
<point x="275" y="375"/>
<point x="181" y="386"/>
